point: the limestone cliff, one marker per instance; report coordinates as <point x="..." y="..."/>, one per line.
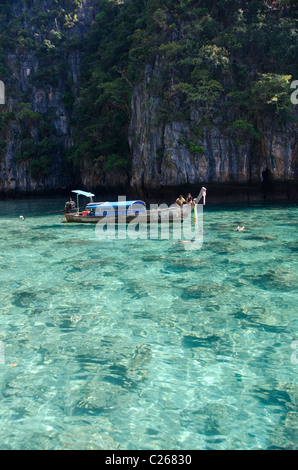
<point x="176" y="140"/>
<point x="169" y="156"/>
<point x="42" y="81"/>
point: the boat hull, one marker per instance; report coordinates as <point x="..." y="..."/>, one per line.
<point x="153" y="216"/>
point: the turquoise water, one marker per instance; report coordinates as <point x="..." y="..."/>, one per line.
<point x="142" y="344"/>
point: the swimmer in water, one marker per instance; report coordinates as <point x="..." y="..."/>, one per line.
<point x="239" y="229"/>
<point x="185" y="241"/>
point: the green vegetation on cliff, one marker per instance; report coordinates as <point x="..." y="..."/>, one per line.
<point x="241" y="52"/>
<point x="237" y="52"/>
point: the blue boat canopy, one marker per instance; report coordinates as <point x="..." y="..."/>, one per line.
<point x="83" y="193"/>
<point x="116" y="204"/>
<point x="117" y="208"/>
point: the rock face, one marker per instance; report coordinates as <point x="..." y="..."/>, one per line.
<point x="47" y="84"/>
<point x="164" y="156"/>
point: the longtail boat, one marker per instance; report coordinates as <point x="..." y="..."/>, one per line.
<point x="123" y="211"/>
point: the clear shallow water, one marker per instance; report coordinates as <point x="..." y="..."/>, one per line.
<point x="142" y="344"/>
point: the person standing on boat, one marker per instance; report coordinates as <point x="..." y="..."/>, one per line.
<point x="69" y="206"/>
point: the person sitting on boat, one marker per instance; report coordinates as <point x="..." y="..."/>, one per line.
<point x="189" y="199"/>
<point x="180" y="200"/>
<point x="69" y="206"/>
